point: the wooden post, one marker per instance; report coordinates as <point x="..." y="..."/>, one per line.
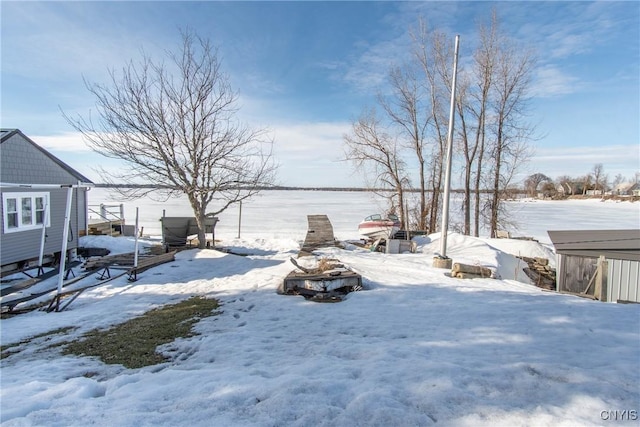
<point x="600" y="291"/>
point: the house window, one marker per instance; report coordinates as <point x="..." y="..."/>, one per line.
<point x="25" y="211"/>
<point x="11" y="213"/>
<point x="40" y="210"/>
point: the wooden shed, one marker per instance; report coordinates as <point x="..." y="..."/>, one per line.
<point x="601" y="264"/>
<point x="36" y="187"/>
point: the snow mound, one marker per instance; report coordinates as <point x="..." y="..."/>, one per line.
<point x="499" y="255"/>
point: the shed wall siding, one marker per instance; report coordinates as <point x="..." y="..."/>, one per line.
<point x="623" y="280"/>
<point x="576" y="273"/>
<point x="21" y="162"/>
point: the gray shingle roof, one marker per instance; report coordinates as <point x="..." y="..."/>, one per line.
<point x="5" y="134"/>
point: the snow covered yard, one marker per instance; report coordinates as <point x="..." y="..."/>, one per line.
<point x="417" y="347"/>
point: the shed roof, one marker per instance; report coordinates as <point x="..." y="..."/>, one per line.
<point x="5" y="134"/>
<point x="613" y="244"/>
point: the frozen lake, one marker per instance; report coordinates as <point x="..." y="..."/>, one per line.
<point x="283" y="214"/>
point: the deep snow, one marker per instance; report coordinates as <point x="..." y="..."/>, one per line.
<point x="417" y="347"/>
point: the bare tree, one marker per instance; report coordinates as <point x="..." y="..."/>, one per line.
<point x="549" y="189"/>
<point x="405" y="110"/>
<point x="377" y="154"/>
<point x="599" y="178"/>
<point x="510" y="131"/>
<point x="433" y="54"/>
<point x="532" y="183"/>
<point x="619" y="179"/>
<point x="586" y="183"/>
<point x="567" y="184"/>
<point x="473" y="101"/>
<point x="175" y="126"/>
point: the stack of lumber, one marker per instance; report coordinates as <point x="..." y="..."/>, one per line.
<point x="539" y="271"/>
<point x="109" y="228"/>
<point x="465" y="271"/>
<point x="94" y="263"/>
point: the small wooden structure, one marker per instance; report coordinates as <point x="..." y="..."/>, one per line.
<point x="125" y="262"/>
<point x="177" y="229"/>
<point x="104" y="228"/>
<point x="329" y="282"/>
<point x="319" y="234"/>
<point x="598" y="264"/>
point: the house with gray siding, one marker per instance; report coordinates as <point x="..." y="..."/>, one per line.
<point x="34" y="195"/>
<point x="601" y="264"/>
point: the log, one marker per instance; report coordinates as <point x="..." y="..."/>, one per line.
<point x="471" y="269"/>
<point x="461" y="275"/>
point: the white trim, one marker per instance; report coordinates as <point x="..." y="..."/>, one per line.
<point x="19" y="198"/>
<point x="31" y="186"/>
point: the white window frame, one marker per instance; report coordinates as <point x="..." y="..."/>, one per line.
<point x="19" y="197"/>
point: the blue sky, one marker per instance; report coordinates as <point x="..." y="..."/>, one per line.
<point x="307" y="69"/>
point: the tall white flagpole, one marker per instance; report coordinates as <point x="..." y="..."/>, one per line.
<point x="447" y="178"/>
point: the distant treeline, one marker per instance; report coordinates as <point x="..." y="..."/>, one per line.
<point x="291" y="188"/>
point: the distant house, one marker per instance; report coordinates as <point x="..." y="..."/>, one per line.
<point x="34" y="188"/>
<point x="571" y="188"/>
<point x="627" y="189"/>
<point x="602" y="264"/>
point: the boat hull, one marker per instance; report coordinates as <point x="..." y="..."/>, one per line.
<point x="378" y="229"/>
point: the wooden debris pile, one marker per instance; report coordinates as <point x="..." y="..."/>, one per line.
<point x="539" y="271"/>
<point x="329" y="281"/>
<point x="465" y="271"/>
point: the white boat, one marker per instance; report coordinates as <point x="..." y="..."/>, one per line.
<point x="379" y="227"/>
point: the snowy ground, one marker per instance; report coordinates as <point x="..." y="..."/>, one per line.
<point x="415" y="348"/>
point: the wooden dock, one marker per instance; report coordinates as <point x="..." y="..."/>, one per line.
<point x="319" y="234"/>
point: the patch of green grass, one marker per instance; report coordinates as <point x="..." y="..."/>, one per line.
<point x="14" y="348"/>
<point x="133" y="343"/>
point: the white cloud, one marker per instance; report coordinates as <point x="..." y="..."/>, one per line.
<point x="311" y="154"/>
<point x="574" y="161"/>
<point x="68" y="141"/>
<point x="368" y="69"/>
<point x="551" y="81"/>
<point x="310" y="140"/>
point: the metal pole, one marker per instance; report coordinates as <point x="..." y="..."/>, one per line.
<point x="406" y="215"/>
<point x="43" y="236"/>
<point x="239" y="219"/>
<point x="447" y="178"/>
<point x="65" y="237"/>
<point x="135" y="250"/>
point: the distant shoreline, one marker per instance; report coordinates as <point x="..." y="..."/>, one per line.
<point x="520" y="193"/>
